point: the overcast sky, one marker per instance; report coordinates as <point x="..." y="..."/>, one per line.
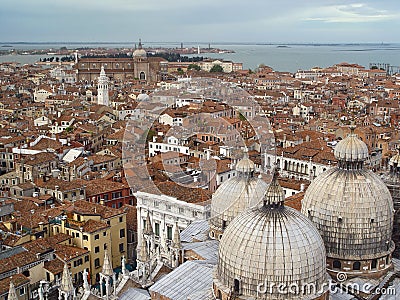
<point x="317" y="21"/>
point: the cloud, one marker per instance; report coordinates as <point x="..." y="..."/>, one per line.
<point x="350" y="13"/>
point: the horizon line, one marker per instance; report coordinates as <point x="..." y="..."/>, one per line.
<point x="200" y="42"/>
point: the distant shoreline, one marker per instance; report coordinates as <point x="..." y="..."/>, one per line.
<point x="204" y="43"/>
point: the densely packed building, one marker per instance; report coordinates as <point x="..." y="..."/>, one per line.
<point x="85" y="213"/>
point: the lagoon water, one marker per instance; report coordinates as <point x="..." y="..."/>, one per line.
<point x="281" y="57"/>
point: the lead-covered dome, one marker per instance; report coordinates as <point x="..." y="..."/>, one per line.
<point x="140" y="52"/>
<point x="235" y="195"/>
<point x="269" y="245"/>
<point x="351" y="149"/>
<point x="353" y="211"/>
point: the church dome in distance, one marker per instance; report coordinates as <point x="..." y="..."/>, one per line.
<point x="270" y="245"/>
<point x="140" y="52"/>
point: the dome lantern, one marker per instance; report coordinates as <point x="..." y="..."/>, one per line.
<point x="275" y="195"/>
<point x="351" y="152"/>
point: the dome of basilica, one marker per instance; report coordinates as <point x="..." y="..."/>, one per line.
<point x="353" y="211"/>
<point x="235" y="195"/>
<point x="269" y="245"/>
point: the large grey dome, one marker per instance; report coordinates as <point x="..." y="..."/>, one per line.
<point x="270" y="245"/>
<point x="235" y="195"/>
<point x="353" y="211"/>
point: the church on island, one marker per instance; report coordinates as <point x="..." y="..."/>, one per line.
<point x="138" y="67"/>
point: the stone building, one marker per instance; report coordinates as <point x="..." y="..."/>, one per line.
<point x="145" y="69"/>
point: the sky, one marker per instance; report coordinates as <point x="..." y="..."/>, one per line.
<point x="263" y="21"/>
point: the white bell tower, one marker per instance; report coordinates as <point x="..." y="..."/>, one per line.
<point x="102" y="88"/>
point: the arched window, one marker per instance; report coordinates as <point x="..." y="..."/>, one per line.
<point x="356" y="265"/>
<point x="236" y="286"/>
<point x="223" y="224"/>
<point x="337" y="264"/>
<point x="142" y="76"/>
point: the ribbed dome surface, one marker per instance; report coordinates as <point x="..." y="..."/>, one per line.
<point x="234" y="196"/>
<point x="245" y="165"/>
<point x="351" y="149"/>
<point x="353" y="211"/>
<point x="268" y="246"/>
<point x="139" y="53"/>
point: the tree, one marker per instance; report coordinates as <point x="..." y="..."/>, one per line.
<point x="194" y="67"/>
<point x="180" y="71"/>
<point x="216" y="69"/>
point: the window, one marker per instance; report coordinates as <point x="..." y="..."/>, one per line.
<point x="236" y="286"/>
<point x="97" y="249"/>
<point x="121" y="219"/>
<point x="22" y="291"/>
<point x="105" y="246"/>
<point x="86" y="258"/>
<point x="85" y="237"/>
<point x="157" y="229"/>
<point x="77" y="234"/>
<point x="337" y="264"/>
<point x="223" y="224"/>
<point x="122" y="233"/>
<point x="181" y="210"/>
<point x="96" y="237"/>
<point x="356" y="265"/>
<point x="169" y="232"/>
<point x="121" y="247"/>
<point x="97" y="263"/>
<point x="374" y="264"/>
<point x="105" y="233"/>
